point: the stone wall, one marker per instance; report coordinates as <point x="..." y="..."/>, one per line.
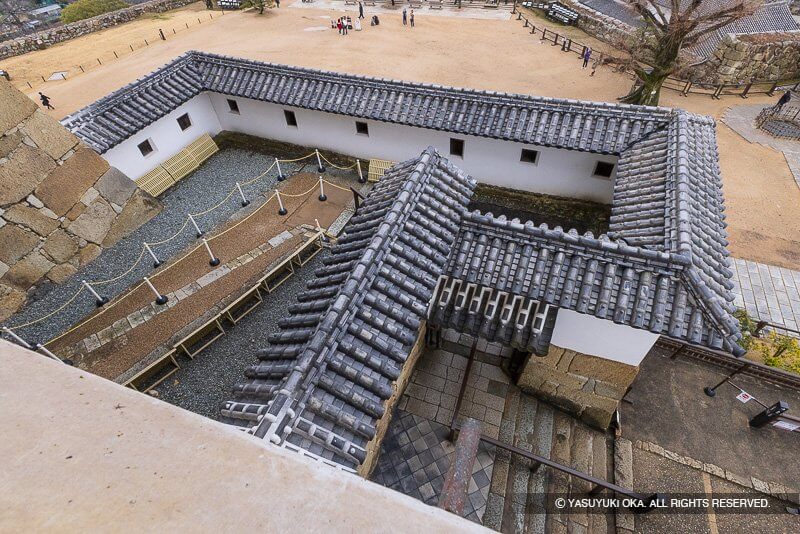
<point x="58" y="34"/>
<point x="60" y="202"/>
<point x="585" y="386"/>
<point x="771" y="56"/>
<point x="743" y="58"/>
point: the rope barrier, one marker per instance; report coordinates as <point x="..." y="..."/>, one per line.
<point x="129" y="271"/>
<point x="329" y="162"/>
<point x="175" y="235"/>
<point x="52" y="313"/>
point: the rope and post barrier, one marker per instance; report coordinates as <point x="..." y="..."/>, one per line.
<point x="197" y="229"/>
<point x="361" y="178"/>
<point x="160" y="299"/>
<point x="281" y="177"/>
<point x="281" y="208"/>
<point x="320" y="168"/>
<point x="98" y="299"/>
<point x="156" y="261"/>
<point x="322" y="197"/>
<point x="245" y="202"/>
<point x="214" y="261"/>
<point x="33" y="346"/>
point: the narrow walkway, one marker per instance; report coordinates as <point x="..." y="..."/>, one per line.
<point x="767" y="292"/>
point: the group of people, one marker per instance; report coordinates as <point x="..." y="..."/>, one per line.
<point x="408" y="18"/>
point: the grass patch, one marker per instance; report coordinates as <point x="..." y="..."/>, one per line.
<point x="771" y="348"/>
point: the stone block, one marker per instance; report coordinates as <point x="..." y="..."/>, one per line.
<point x="10" y="301"/>
<point x="610" y="371"/>
<point x="88" y="197"/>
<point x="61" y="273"/>
<point x="115" y="186"/>
<point x="28" y="270"/>
<point x="15" y="107"/>
<point x="64" y="187"/>
<point x="60" y="246"/>
<point x="534" y="375"/>
<point x="24" y="170"/>
<point x="75" y="211"/>
<point x="88" y="254"/>
<point x="140" y="208"/>
<point x="3" y="269"/>
<point x="9" y="143"/>
<point x="94" y="223"/>
<point x="31" y="218"/>
<point x="34" y="201"/>
<point x="49" y="134"/>
<point x="15" y="242"/>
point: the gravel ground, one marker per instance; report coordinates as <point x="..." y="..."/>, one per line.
<point x="204" y="188"/>
<point x="203" y="384"/>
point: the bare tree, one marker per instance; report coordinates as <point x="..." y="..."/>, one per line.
<point x="670" y="26"/>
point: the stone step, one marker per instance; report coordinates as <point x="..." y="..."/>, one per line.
<point x="516" y="498"/>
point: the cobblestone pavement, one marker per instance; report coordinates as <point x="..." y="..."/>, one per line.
<point x="741" y="120"/>
<point x="768" y="292"/>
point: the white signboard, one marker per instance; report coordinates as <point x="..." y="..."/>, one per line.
<point x="786" y="425"/>
<point x="744" y="396"/>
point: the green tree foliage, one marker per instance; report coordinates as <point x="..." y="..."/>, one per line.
<point x="260" y="5"/>
<point x="84" y="9"/>
<point x="776" y="349"/>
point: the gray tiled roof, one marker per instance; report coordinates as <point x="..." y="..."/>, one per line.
<point x="321" y="384"/>
<point x="587" y="126"/>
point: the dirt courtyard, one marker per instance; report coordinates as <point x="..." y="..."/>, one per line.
<point x="763" y="201"/>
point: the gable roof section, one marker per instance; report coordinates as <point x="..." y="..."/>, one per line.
<point x="321" y="384"/>
<point x="587" y="126"/>
<point x="638" y="287"/>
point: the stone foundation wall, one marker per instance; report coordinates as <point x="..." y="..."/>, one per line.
<point x="744" y="58"/>
<point x="60" y="202"/>
<point x="772" y="56"/>
<point x="45" y="38"/>
<point x="585" y="386"/>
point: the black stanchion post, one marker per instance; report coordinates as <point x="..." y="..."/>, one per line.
<point x="320" y="168"/>
<point x="281" y="209"/>
<point x="160" y="299"/>
<point x="98" y="299"/>
<point x="214" y="261"/>
<point x="322" y="197"/>
<point x="281" y="177"/>
<point x="769" y="414"/>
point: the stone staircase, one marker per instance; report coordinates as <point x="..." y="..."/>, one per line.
<point x="516" y="501"/>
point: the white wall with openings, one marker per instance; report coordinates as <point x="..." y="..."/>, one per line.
<point x="166" y="137"/>
<point x="546" y="170"/>
<point x="602" y="338"/>
<point x="493" y="161"/>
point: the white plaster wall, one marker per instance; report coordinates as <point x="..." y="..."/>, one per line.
<point x="166" y="137"/>
<point x="598" y="337"/>
<point x="558" y="172"/>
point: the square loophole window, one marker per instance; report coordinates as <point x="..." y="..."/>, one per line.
<point x="184" y="121"/>
<point x="291" y="120"/>
<point x="529" y="156"/>
<point x="146" y="147"/>
<point x="604" y="169"/>
<point x="362" y="128"/>
<point x="457" y="147"/>
<point x="233" y="106"/>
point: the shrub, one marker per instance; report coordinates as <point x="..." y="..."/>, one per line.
<point x="777" y="350"/>
<point x="84" y="9"/>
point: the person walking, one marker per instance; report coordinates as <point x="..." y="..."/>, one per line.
<point x="45" y="101"/>
<point x="360" y="10"/>
<point x="782" y="102"/>
<point x="411" y="18"/>
<point x="278" y="3"/>
<point x="587" y="55"/>
<point x="405" y="17"/>
<point x="344" y="25"/>
<point x="339" y="25"/>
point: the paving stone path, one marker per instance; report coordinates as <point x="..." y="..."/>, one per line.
<point x="741" y="119"/>
<point x="768" y="292"/>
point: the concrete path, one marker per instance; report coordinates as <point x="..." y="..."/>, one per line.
<point x="768" y="292"/>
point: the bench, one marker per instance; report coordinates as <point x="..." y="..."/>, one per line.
<point x="276" y="276"/>
<point x="310" y="249"/>
<point x="201" y="338"/>
<point x="155" y="373"/>
<point x="240" y="307"/>
<point x="435" y="4"/>
<point x="562" y="14"/>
